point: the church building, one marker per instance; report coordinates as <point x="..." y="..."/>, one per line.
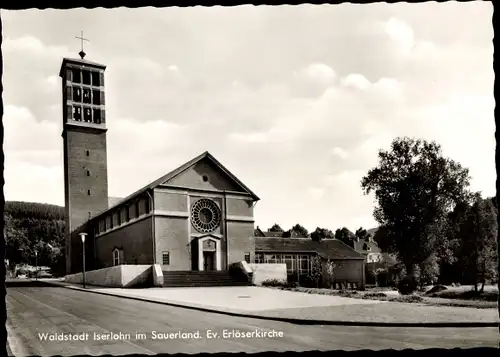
<point x="196" y="218"/>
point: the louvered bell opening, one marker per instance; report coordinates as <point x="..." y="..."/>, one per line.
<point x="69" y="93"/>
<point x="69" y="75"/>
<point x="102" y="98"/>
<point x="69" y="112"/>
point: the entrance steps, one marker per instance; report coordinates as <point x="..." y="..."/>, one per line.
<point x="201" y="279"/>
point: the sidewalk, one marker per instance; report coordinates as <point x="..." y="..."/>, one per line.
<point x="302" y="308"/>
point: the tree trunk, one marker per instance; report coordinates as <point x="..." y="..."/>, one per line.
<point x="482" y="287"/>
<point x="475" y="287"/>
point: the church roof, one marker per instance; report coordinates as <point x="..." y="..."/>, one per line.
<point x="80" y="62"/>
<point x="327" y="248"/>
<point x="178" y="171"/>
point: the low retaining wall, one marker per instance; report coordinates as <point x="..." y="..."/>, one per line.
<point x="262" y="272"/>
<point x="121" y="276"/>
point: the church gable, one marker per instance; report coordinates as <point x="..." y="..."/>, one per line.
<point x="206" y="174"/>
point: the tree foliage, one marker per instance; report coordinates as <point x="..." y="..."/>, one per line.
<point x="415" y="188"/>
<point x="321" y="233"/>
<point x="361" y="233"/>
<point x="478" y="242"/>
<point x="345" y="235"/>
<point x="276" y="228"/>
<point x="31" y="227"/>
<point x="297" y="231"/>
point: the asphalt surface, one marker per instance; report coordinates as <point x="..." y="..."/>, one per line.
<point x="34" y="309"/>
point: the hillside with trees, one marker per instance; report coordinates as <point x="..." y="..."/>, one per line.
<point x="35" y="227"/>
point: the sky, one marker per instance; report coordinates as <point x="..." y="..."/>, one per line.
<point x="296" y="101"/>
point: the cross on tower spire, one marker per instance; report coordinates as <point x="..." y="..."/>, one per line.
<point x="81" y="38"/>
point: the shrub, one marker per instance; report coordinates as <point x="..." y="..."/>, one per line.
<point x="292" y="285"/>
<point x="371" y="277"/>
<point x="375" y="295"/>
<point x="407" y="285"/>
<point x="436" y="289"/>
<point x="276" y="283"/>
<point x="410" y="298"/>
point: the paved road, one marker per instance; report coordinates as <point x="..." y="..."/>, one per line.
<point x="33" y="310"/>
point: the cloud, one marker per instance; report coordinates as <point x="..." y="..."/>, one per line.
<point x="298" y="113"/>
<point x="401" y="33"/>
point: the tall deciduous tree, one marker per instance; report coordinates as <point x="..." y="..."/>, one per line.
<point x="276" y="228"/>
<point x="297" y="231"/>
<point x="415" y="187"/>
<point x="361" y="233"/>
<point x="321" y="233"/>
<point x="345" y="235"/>
<point x="478" y="235"/>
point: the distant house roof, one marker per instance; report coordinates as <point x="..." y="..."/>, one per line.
<point x="260" y="233"/>
<point x="327" y="248"/>
<point x="362" y="245"/>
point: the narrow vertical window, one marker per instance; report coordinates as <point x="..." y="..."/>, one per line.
<point x="88" y="192"/>
<point x="166" y="258"/>
<point x="247" y="257"/>
<point x="116" y="257"/>
<point x="87" y="153"/>
<point x="88" y="173"/>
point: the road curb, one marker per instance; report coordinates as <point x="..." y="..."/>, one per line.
<point x="294" y="320"/>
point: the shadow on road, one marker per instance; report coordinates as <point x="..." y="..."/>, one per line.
<point x="18" y="283"/>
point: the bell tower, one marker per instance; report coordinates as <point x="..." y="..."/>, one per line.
<point x="84" y="142"/>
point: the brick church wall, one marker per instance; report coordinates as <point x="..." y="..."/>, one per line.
<point x="240" y="229"/>
<point x="172" y="235"/>
<point x="135" y="239"/>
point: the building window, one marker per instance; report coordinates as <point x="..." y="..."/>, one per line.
<point x="87" y="96"/>
<point x="77" y="113"/>
<point x="290" y="262"/>
<point x="96" y="97"/>
<point x="86" y="77"/>
<point x="247" y="257"/>
<point x="148" y="206"/>
<point x="165" y="257"/>
<point x="88" y="173"/>
<point x="88" y="192"/>
<point x="77" y="94"/>
<point x="205" y="178"/>
<point x="137" y="212"/>
<point x="132" y="212"/>
<point x="96" y="79"/>
<point x="304" y="264"/>
<point x="87" y="153"/>
<point x="127" y="214"/>
<point x="97" y="116"/>
<point x="259" y="258"/>
<point x="116" y="257"/>
<point x="76" y="74"/>
<point x="87" y="115"/>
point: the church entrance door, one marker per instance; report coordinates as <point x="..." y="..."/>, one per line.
<point x="208" y="261"/>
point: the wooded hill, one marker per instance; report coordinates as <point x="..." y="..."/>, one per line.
<point x="31" y="227"/>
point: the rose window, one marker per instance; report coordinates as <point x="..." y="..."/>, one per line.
<point x="205" y="215"/>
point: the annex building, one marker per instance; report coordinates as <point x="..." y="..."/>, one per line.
<point x="198" y="217"/>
